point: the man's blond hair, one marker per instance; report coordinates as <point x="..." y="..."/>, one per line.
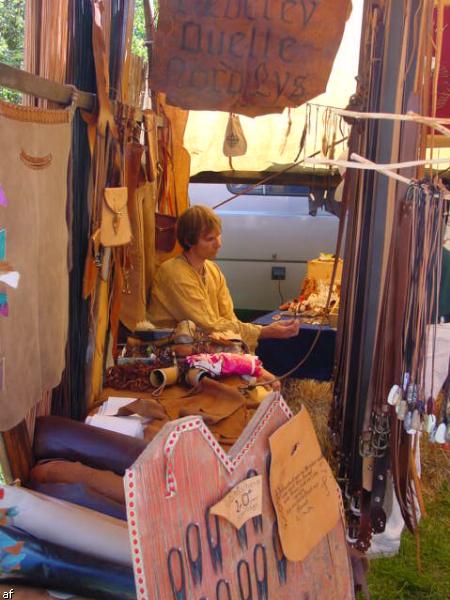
<point x="194" y="222"/>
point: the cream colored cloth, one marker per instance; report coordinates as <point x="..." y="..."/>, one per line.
<point x="179" y="293"/>
<point x="33" y="175"/>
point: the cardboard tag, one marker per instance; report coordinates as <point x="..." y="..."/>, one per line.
<point x="242" y="503"/>
<point x="304" y="492"/>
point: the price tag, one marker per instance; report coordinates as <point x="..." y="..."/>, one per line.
<point x="304" y="492"/>
<point x="242" y="503"/>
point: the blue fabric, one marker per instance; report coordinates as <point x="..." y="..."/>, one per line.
<point x="279" y="356"/>
<point x="26" y="558"/>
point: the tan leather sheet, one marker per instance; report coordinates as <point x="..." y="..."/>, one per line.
<point x="33" y="175"/>
<point x="222" y="406"/>
<point x="254" y="57"/>
<point x="305" y="494"/>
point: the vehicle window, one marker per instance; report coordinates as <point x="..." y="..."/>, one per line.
<point x="269" y="190"/>
<point x="263" y="200"/>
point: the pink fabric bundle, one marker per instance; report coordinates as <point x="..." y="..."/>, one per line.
<point x="226" y="363"/>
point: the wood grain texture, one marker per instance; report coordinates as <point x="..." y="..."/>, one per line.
<point x="158" y="523"/>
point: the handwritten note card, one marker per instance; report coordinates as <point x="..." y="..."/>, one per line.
<point x="242" y="503"/>
<point x="304" y="491"/>
<point x="247" y="56"/>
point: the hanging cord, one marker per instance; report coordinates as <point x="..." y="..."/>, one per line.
<point x="272" y="176"/>
<point x="279" y="292"/>
<point x="302" y="361"/>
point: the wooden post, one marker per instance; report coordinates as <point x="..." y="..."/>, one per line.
<point x="18" y="451"/>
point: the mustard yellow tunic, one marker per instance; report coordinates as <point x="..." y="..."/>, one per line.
<point x="179" y="293"/>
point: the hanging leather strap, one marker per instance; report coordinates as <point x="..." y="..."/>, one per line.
<point x="105" y="115"/>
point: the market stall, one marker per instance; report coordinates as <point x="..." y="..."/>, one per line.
<point x="129" y="171"/>
<point x="190" y="477"/>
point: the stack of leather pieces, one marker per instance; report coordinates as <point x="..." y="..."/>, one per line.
<point x="71" y="529"/>
<point x="82" y="464"/>
<point x="222" y="406"/>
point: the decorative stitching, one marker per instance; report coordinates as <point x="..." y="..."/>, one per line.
<point x="31" y="114"/>
<point x="197" y="423"/>
<point x="35" y="162"/>
<point x="136" y="549"/>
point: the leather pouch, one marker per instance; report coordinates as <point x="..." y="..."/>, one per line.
<point x="165" y="232"/>
<point x="234" y="143"/>
<point x="115" y="229"/>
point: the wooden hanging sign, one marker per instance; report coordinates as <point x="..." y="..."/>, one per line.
<point x="247" y="56"/>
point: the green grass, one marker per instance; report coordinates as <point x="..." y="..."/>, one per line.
<point x="398" y="578"/>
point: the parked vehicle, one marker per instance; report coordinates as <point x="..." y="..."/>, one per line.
<point x="263" y="230"/>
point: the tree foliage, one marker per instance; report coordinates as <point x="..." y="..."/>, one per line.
<point x="12" y="34"/>
<point x="12" y="17"/>
<point x="138" y="41"/>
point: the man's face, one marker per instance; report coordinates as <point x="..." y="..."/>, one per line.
<point x="208" y="245"/>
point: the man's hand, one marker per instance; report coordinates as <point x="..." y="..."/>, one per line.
<point x="282" y="329"/>
<point x="267" y="379"/>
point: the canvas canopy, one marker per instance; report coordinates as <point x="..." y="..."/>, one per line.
<point x="274" y="139"/>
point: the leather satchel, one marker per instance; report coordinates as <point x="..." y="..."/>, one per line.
<point x="115" y="229"/>
<point x="165" y="232"/>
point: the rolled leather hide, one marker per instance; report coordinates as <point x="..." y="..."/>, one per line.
<point x="106" y="483"/>
<point x="28" y="559"/>
<point x="58" y="437"/>
<point x="65" y="524"/>
<point x="82" y="495"/>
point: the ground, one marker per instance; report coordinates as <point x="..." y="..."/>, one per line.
<point x="421" y="569"/>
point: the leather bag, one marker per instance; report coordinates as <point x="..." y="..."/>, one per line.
<point x="115" y="229"/>
<point x="234" y="143"/>
<point x="165" y="232"/>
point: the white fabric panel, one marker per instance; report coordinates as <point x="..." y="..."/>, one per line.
<point x="66" y="524"/>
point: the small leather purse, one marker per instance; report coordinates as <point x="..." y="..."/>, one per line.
<point x="234" y="143"/>
<point x="115" y="229"/>
<point x="165" y="232"/>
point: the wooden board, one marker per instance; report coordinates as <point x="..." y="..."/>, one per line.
<point x="169" y="489"/>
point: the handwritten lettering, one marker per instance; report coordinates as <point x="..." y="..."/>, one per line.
<point x="286" y="8"/>
<point x="236" y="44"/>
<point x="287" y="48"/>
<point x="279" y="85"/>
<point x="296" y="496"/>
<point x="223" y="77"/>
<point x="243" y="502"/>
<point x="309" y="8"/>
<point x="245" y="53"/>
<point x="191" y="37"/>
<point x="196" y="38"/>
<point x="286" y="11"/>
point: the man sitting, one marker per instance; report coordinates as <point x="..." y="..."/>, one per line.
<point x="192" y="286"/>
